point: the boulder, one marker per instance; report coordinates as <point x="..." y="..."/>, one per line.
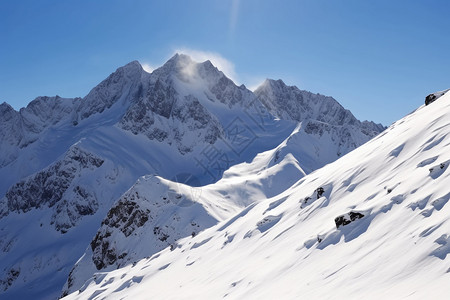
<point x="347" y="218"/>
<point x="434" y="96"/>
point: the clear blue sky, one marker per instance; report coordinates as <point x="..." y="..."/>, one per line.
<point x="377" y="58"/>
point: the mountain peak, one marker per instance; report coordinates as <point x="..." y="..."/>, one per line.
<point x="131" y="68"/>
<point x="177" y="64"/>
<point x="207" y="64"/>
<point x="272" y="83"/>
<point x="5" y="107"/>
<point x="179" y="59"/>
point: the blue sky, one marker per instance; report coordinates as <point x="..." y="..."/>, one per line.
<point x="377" y="58"/>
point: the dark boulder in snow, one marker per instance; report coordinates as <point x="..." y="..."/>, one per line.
<point x="434" y="96"/>
<point x="347" y="218"/>
<point x="319" y="192"/>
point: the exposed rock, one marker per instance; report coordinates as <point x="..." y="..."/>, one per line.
<point x="126" y="216"/>
<point x="347" y="218"/>
<point x="434" y="96"/>
<point x="68" y="212"/>
<point x="49" y="187"/>
<point x="11" y="276"/>
<point x="319" y="192"/>
<point x="159" y="113"/>
<point x="320" y="113"/>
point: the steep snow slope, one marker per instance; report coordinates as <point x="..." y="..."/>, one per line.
<point x="65" y="199"/>
<point x="186" y="122"/>
<point x="155" y="213"/>
<point x="40" y="133"/>
<point x="388" y="198"/>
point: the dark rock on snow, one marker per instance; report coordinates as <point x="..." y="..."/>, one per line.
<point x="347" y="218"/>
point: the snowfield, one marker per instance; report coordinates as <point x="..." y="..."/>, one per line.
<point x="389" y="199"/>
<point x="183" y="164"/>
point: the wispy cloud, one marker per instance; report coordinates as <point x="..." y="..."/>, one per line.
<point x="223" y="64"/>
<point x="234" y="14"/>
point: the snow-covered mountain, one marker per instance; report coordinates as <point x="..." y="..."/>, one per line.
<point x="318" y="113"/>
<point x="69" y="165"/>
<point x="373" y="224"/>
<point x="155" y="213"/>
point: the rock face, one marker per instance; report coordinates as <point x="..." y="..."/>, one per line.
<point x="55" y="187"/>
<point x="164" y="106"/>
<point x="149" y="217"/>
<point x="159" y="114"/>
<point x="320" y="114"/>
<point x="126" y="216"/>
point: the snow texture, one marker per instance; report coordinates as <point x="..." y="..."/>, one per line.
<point x="69" y="168"/>
<point x="391" y="193"/>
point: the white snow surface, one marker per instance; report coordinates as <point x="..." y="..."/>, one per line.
<point x="169" y="123"/>
<point x="174" y="210"/>
<point x="287" y="245"/>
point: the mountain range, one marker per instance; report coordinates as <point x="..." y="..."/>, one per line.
<point x="373" y="224"/>
<point x="146" y="160"/>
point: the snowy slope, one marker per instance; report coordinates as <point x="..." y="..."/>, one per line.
<point x="47" y="187"/>
<point x="186" y="122"/>
<point x="392" y="196"/>
<point x="37" y="135"/>
<point x="155" y="213"/>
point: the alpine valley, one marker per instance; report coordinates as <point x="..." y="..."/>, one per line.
<point x="179" y="184"/>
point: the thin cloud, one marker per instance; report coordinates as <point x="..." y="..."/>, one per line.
<point x="223" y="64"/>
<point x="234" y="13"/>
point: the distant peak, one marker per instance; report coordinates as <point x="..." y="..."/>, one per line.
<point x="5" y="107"/>
<point x="272" y="83"/>
<point x="132" y="66"/>
<point x="133" y="63"/>
<point x="180" y="57"/>
<point x="175" y="64"/>
<point x="208" y="64"/>
<point x="276" y="82"/>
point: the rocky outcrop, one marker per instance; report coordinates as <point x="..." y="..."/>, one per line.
<point x="149" y="217"/>
<point x="9" y="278"/>
<point x="53" y="187"/>
<point x="347" y="218"/>
<point x="291" y="103"/>
<point x="161" y="109"/>
<point x="434" y="96"/>
<point x="126" y="216"/>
